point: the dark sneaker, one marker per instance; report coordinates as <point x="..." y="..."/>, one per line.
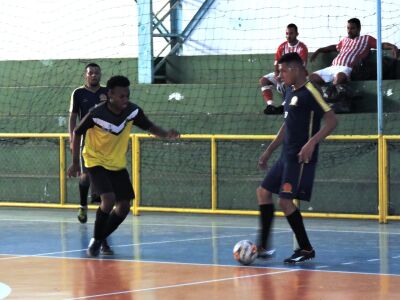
<point x="82" y="215"/>
<point x="273" y="110"/>
<point x="279" y="110"/>
<point x="93" y="249"/>
<point x="329" y="93"/>
<point x="345" y="91"/>
<point x="265" y="254"/>
<point x="95" y="199"/>
<point x="341" y="90"/>
<point x="105" y="249"/>
<point x="300" y="255"/>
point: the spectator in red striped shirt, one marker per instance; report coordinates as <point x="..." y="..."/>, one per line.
<point x="271" y="80"/>
<point x="352" y="50"/>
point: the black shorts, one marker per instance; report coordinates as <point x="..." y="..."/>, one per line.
<point x="106" y="181"/>
<point x="290" y="179"/>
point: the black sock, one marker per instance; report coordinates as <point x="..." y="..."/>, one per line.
<point x="266" y="217"/>
<point x="112" y="224"/>
<point x="100" y="224"/>
<point x="83" y="192"/>
<point x="296" y="222"/>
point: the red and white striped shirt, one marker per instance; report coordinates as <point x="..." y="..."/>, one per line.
<point x="352" y="51"/>
<point x="285" y="47"/>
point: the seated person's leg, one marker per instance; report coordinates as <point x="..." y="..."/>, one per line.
<point x="267" y="82"/>
<point x="323" y="76"/>
<point x="344" y="94"/>
<point x="340" y="78"/>
<point x="315" y="78"/>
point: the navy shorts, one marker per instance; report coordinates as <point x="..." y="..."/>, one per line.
<point x="107" y="181"/>
<point x="290" y="179"/>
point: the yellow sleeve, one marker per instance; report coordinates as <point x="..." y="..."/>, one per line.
<point x="318" y="97"/>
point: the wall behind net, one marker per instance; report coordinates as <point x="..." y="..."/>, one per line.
<point x="42" y="60"/>
<point x="211" y="85"/>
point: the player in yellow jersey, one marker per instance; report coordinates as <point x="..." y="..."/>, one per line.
<point x="106" y="129"/>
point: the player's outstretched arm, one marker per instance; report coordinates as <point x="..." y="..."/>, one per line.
<point x="263" y="160"/>
<point x="331" y="48"/>
<point x="330" y="123"/>
<point x="160" y="132"/>
<point x="74" y="168"/>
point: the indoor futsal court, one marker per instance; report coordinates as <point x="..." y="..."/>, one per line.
<point x="176" y="256"/>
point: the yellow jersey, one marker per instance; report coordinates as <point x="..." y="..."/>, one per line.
<point x="107" y="135"/>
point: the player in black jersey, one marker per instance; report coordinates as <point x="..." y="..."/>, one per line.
<point x="292" y="176"/>
<point x="82" y="99"/>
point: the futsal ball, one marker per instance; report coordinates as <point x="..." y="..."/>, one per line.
<point x="245" y="252"/>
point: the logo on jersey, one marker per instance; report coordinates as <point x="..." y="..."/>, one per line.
<point x="294" y="100"/>
<point x="103" y="97"/>
<point x="287" y="188"/>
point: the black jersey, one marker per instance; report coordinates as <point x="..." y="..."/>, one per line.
<point x="82" y="99"/>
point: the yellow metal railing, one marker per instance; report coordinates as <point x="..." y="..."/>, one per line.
<point x="385" y="170"/>
<point x="383" y="195"/>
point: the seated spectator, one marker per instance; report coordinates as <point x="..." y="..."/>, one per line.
<point x="270" y="80"/>
<point x="352" y="49"/>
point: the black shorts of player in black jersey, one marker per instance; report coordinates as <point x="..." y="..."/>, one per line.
<point x="106" y="181"/>
<point x="290" y="179"/>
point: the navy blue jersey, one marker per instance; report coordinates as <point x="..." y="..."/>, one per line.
<point x="304" y="109"/>
<point x="82" y="100"/>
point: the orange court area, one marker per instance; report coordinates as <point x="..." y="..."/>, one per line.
<point x="66" y="278"/>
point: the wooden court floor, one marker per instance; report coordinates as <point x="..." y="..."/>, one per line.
<point x="66" y="278"/>
<point x="42" y="256"/>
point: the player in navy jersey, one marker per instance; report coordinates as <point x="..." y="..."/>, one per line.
<point x="292" y="176"/>
<point x="82" y="100"/>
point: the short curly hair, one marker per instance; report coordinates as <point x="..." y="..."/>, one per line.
<point x="118" y="80"/>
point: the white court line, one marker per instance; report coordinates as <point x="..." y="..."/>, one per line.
<point x="183" y="284"/>
<point x="348" y="263"/>
<point x="321" y="267"/>
<point x="352" y="231"/>
<point x="141" y="224"/>
<point x="127" y="245"/>
<point x="214" y="226"/>
<point x="396" y="256"/>
<point x="373" y="259"/>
